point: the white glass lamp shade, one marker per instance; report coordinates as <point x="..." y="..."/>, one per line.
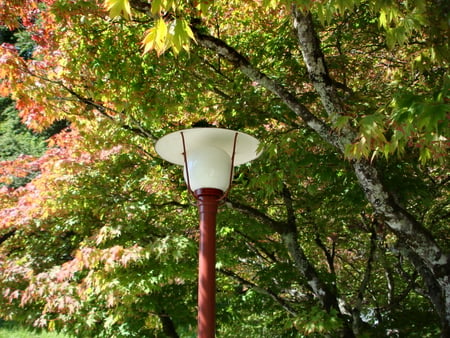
<point x="209" y="153"/>
<point x="208" y="167"/>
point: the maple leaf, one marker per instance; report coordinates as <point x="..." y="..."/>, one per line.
<point x="118" y="8"/>
<point x="157" y="38"/>
<point x="182" y="36"/>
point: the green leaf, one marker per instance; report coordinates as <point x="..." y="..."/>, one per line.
<point x="342" y="121"/>
<point x="156" y="7"/>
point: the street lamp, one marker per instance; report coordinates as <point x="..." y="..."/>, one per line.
<point x="208" y="156"/>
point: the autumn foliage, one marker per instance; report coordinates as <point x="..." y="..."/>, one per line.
<point x="338" y="229"/>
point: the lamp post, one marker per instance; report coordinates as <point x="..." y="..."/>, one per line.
<point x="208" y="156"/>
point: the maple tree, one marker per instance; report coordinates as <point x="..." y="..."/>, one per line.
<point x="339" y="228"/>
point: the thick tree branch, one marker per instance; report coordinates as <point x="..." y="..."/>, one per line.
<point x="420" y="247"/>
<point x="289" y="235"/>
<point x="398" y="219"/>
<point x="440" y="301"/>
<point x="239" y="61"/>
<point x="326" y="297"/>
<point x="367" y="175"/>
<point x="287" y="198"/>
<point x="168" y="325"/>
<point x="315" y="62"/>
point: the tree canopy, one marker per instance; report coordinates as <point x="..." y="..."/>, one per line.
<point x="340" y="228"/>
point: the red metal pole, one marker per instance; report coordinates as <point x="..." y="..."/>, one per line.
<point x="208" y="203"/>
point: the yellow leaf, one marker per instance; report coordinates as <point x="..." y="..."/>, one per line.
<point x="149" y="40"/>
<point x="118" y="8"/>
<point x="161" y="36"/>
<point x="156" y="38"/>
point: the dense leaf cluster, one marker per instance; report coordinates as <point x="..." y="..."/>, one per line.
<point x="339" y="228"/>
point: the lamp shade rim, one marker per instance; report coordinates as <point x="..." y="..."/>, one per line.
<point x="170" y="146"/>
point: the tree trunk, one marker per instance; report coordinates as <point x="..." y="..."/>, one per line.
<point x="438" y="289"/>
<point x="326" y="294"/>
<point x="327" y="297"/>
<point x="168" y="325"/>
<point x="425" y="254"/>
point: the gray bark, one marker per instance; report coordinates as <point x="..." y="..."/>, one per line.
<point x="398" y="219"/>
<point x="289" y="235"/>
<point x="429" y="259"/>
<point x="426" y="256"/>
<point x="238" y="60"/>
<point x="326" y="294"/>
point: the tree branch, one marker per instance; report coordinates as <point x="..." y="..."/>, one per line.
<point x="289" y="235"/>
<point x="267" y="292"/>
<point x="259" y="250"/>
<point x="287" y="198"/>
<point x="315" y="62"/>
<point x="9" y="234"/>
<point x="239" y="61"/>
<point x="137" y="128"/>
<point x="328" y="255"/>
<point x="398" y="219"/>
<point x="256" y="214"/>
<point x="356" y="312"/>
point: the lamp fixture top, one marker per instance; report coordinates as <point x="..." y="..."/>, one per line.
<point x="170" y="146"/>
